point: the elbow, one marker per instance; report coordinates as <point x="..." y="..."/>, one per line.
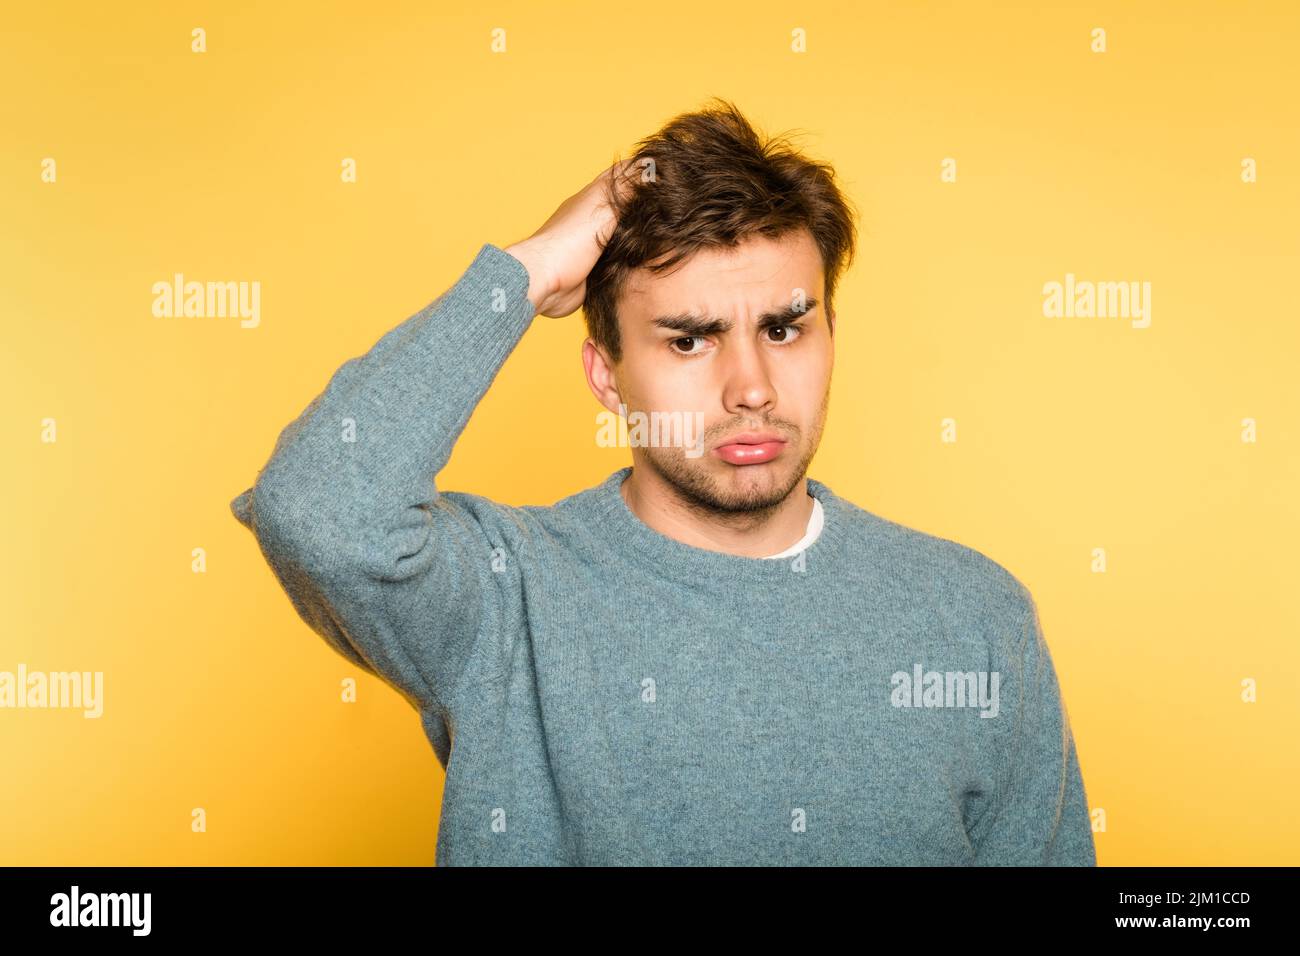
<point x="288" y="529"/>
<point x="242" y="508"/>
<point x="297" y="526"/>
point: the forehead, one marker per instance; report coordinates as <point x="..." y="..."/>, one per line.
<point x="758" y="274"/>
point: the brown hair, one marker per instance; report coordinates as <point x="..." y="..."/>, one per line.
<point x="715" y="183"/>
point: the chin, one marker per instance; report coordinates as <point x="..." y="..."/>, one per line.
<point x="767" y="483"/>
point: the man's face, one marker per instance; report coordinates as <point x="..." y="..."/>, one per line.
<point x="741" y="337"/>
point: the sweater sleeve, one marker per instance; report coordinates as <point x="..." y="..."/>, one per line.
<point x="395" y="576"/>
<point x="1039" y="816"/>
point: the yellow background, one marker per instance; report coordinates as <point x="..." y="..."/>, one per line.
<point x="1072" y="433"/>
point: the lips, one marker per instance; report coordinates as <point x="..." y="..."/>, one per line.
<point x="750" y="448"/>
<point x="753" y="438"/>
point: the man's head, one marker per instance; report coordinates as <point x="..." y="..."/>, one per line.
<point x="713" y="300"/>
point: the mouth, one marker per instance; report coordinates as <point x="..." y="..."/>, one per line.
<point x="750" y="448"/>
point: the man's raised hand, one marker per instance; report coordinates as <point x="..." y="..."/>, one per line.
<point x="561" y="254"/>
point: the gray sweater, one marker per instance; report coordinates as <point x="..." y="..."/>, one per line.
<point x="600" y="693"/>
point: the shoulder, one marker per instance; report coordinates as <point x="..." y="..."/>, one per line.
<point x="957" y="580"/>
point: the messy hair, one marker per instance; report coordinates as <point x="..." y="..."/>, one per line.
<point x="707" y="179"/>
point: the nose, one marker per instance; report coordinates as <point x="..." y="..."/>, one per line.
<point x="747" y="388"/>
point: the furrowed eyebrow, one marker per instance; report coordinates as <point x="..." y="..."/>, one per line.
<point x="690" y="323"/>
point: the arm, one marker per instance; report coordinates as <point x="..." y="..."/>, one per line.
<point x="1039" y="816"/>
<point x="395" y="576"/>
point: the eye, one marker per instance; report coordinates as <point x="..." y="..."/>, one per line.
<point x="686" y="338"/>
<point x="787" y="328"/>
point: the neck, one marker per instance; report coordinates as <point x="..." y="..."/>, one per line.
<point x="750" y="534"/>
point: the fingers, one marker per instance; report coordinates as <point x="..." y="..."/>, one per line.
<point x="617" y="180"/>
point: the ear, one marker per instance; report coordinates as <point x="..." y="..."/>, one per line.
<point x="600" y="375"/>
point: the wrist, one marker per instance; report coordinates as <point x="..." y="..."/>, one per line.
<point x="540" y="283"/>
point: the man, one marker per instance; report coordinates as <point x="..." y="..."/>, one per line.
<point x="707" y="658"/>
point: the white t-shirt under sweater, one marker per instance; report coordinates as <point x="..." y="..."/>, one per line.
<point x="814" y="529"/>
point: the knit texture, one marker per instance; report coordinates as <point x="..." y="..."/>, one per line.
<point x="602" y="694"/>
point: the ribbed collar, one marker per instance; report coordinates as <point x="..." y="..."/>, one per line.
<point x="695" y="565"/>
